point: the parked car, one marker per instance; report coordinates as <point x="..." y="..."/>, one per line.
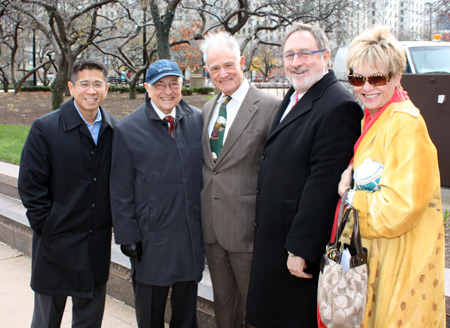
<point x="421" y="57"/>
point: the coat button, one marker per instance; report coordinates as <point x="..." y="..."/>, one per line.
<point x="215" y="172"/>
<point x="92" y="153"/>
<point x="258" y="190"/>
<point x="263" y="156"/>
<point x="91" y="231"/>
<point x="256" y="224"/>
<point x="92" y="205"/>
<point x="94" y="179"/>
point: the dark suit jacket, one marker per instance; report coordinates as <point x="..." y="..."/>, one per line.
<point x="304" y="157"/>
<point x="229" y="185"/>
<point x="64" y="185"/>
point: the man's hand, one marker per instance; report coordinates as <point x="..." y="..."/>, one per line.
<point x="133" y="250"/>
<point x="346" y="180"/>
<point x="296" y="266"/>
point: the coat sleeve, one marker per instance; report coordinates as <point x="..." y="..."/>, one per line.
<point x="330" y="154"/>
<point x="122" y="181"/>
<point x="407" y="184"/>
<point x="34" y="177"/>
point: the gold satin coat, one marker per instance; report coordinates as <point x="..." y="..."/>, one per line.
<point x="402" y="223"/>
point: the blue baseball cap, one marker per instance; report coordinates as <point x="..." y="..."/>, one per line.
<point x="160" y="69"/>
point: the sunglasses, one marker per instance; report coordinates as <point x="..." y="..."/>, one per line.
<point x="376" y="80"/>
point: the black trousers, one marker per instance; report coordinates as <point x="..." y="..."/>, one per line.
<point x="86" y="313"/>
<point x="150" y="304"/>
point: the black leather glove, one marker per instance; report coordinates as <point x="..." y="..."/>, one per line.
<point x="133" y="250"/>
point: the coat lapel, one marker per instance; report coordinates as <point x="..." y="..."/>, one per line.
<point x="208" y="110"/>
<point x="303" y="106"/>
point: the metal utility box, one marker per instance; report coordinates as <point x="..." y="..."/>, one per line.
<point x="431" y="94"/>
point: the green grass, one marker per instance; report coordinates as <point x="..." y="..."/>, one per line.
<point x="12" y="139"/>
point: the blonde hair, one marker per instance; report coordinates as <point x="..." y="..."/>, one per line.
<point x="374" y="48"/>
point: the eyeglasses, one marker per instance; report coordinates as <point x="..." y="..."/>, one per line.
<point x="162" y="86"/>
<point x="85" y="85"/>
<point x="376" y="80"/>
<point x="304" y="54"/>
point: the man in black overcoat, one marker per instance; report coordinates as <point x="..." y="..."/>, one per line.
<point x="64" y="185"/>
<point x="156" y="180"/>
<point x="310" y="143"/>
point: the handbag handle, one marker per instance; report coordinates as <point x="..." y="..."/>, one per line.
<point x="344" y="213"/>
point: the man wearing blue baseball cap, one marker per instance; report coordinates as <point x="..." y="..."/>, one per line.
<point x="156" y="180"/>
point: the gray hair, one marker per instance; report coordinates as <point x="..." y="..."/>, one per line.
<point x="215" y="39"/>
<point x="317" y="32"/>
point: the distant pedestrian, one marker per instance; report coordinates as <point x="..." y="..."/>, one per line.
<point x="64" y="185"/>
<point x="156" y="180"/>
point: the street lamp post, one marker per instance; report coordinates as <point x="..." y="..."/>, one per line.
<point x="144" y="36"/>
<point x="34" y="58"/>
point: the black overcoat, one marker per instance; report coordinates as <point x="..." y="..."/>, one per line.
<point x="64" y="185"/>
<point x="155" y="193"/>
<point x="301" y="165"/>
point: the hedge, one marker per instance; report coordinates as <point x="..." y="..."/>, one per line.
<point x="37" y="88"/>
<point x="203" y="90"/>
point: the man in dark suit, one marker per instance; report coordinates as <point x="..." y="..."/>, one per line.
<point x="156" y="180"/>
<point x="309" y="145"/>
<point x="64" y="185"/>
<point x="230" y="174"/>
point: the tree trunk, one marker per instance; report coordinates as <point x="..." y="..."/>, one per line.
<point x="60" y="84"/>
<point x="5" y="82"/>
<point x="132" y="88"/>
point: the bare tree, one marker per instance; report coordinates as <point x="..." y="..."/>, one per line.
<point x="13" y="26"/>
<point x="69" y="29"/>
<point x="265" y="62"/>
<point x="163" y="24"/>
<point x="264" y="16"/>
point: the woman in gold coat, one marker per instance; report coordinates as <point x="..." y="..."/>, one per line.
<point x="401" y="221"/>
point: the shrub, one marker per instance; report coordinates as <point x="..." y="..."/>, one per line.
<point x="203" y="90"/>
<point x="123" y="88"/>
<point x="36" y="88"/>
<point x="186" y="91"/>
<point x="118" y="88"/>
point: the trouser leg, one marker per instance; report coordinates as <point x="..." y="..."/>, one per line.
<point x="183" y="301"/>
<point x="48" y="311"/>
<point x="88" y="313"/>
<point x="150" y="304"/>
<point x="230" y="276"/>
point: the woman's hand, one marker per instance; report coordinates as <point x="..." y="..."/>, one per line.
<point x="346" y="180"/>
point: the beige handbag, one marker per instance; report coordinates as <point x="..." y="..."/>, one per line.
<point x="342" y="293"/>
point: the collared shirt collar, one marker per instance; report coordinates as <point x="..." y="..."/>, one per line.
<point x="161" y="113"/>
<point x="94" y="129"/>
<point x="240" y="93"/>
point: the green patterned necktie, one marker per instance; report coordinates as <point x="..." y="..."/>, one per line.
<point x="218" y="131"/>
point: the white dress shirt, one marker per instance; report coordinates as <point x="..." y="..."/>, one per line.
<point x="292" y="103"/>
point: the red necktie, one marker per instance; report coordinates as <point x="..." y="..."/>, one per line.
<point x="171" y="122"/>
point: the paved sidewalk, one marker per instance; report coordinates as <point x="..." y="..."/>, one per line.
<point x="16" y="296"/>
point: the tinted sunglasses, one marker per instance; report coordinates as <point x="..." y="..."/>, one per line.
<point x="376" y="80"/>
